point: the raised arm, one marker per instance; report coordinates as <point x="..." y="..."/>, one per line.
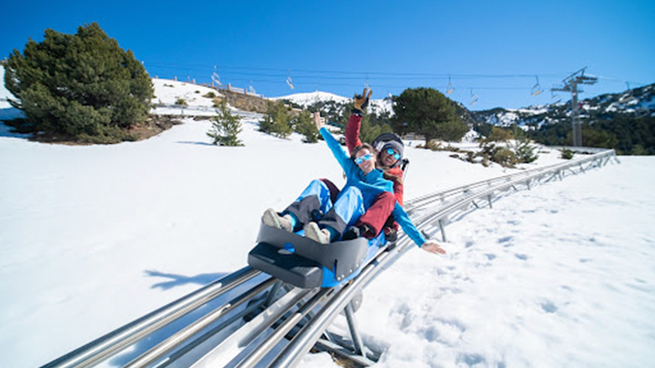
<point x="338" y="152"/>
<point x="355" y="121"/>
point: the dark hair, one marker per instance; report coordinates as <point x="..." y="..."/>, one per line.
<point x="361" y="147"/>
<point x="389" y="176"/>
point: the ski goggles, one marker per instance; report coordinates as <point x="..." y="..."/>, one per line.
<point x="366" y="157"/>
<point x="393" y="153"/>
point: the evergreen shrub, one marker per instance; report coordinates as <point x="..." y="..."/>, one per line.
<point x="82" y="86"/>
<point x="225" y="128"/>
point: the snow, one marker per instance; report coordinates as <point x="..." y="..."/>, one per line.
<point x="169" y="91"/>
<point x="93" y="237"/>
<point x="534" y="110"/>
<point x="307" y="99"/>
<point x="4" y="93"/>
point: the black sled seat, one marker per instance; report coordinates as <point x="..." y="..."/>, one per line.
<point x="304" y="263"/>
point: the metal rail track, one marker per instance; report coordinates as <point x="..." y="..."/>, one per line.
<point x="269" y="324"/>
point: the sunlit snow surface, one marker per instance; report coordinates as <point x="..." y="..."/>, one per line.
<point x="93" y="237"/>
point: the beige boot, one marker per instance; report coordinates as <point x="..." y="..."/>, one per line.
<point x="272" y="219"/>
<point x="312" y="231"/>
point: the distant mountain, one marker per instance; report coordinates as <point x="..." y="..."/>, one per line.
<point x="622" y="121"/>
<point x="311" y="98"/>
<point x="638" y="102"/>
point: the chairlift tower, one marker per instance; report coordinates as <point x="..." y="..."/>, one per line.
<point x="571" y="85"/>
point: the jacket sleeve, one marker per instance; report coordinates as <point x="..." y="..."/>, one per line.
<point x="352" y="132"/>
<point x="337" y="151"/>
<point x="402" y="218"/>
<point x="398" y="191"/>
<point x="398" y="186"/>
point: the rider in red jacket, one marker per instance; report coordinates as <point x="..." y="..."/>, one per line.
<point x="389" y="156"/>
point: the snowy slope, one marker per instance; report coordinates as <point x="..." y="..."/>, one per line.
<point x="167" y="92"/>
<point x="93" y="237"/>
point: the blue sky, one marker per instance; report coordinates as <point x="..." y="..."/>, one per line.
<point x="492" y="51"/>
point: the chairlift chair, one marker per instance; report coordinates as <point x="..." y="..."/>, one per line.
<point x="627" y="96"/>
<point x="474" y="99"/>
<point x="536" y="89"/>
<point x="216" y="79"/>
<point x="290" y="81"/>
<point x="450" y="87"/>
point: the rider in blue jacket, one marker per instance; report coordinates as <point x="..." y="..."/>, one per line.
<point x="325" y="221"/>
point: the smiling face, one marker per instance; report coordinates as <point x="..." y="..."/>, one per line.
<point x="367" y="163"/>
<point x="387" y="159"/>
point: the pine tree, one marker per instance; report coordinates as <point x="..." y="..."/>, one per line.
<point x="427" y="112"/>
<point x="304" y="124"/>
<point x="277" y="120"/>
<point x="226" y="127"/>
<point x="82" y="84"/>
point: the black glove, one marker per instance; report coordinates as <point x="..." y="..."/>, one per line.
<point x="361" y="101"/>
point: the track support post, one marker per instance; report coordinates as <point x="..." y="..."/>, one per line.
<point x="354" y="332"/>
<point x="442" y="228"/>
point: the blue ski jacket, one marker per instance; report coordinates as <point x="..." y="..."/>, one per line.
<point x="371" y="185"/>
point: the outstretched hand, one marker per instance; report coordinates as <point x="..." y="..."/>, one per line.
<point x="318" y="121"/>
<point x="361" y="102"/>
<point x="432" y="246"/>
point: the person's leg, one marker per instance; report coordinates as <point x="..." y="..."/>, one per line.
<point x="376" y="216"/>
<point x="334" y="190"/>
<point x="345" y="212"/>
<point x="315" y="198"/>
<point x="310" y="205"/>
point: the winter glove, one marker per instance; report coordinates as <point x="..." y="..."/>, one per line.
<point x="361" y="101"/>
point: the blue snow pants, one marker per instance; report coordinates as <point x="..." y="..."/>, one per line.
<point x="315" y="204"/>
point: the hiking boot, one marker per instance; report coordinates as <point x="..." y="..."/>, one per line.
<point x="312" y="231"/>
<point x="355" y="232"/>
<point x="273" y="219"/>
<point x="390" y="234"/>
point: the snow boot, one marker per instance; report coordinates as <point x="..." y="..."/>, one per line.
<point x="273" y="219"/>
<point x="312" y="231"/>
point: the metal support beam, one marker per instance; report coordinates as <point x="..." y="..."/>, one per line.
<point x="272" y="293"/>
<point x="442" y="227"/>
<point x="354" y="332"/>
